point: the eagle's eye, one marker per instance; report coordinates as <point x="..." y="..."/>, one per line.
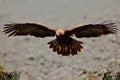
<point x="60" y="32"/>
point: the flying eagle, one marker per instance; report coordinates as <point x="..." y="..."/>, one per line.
<point x="64" y="44"/>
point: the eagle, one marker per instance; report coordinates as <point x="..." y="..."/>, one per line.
<point x="64" y="44"/>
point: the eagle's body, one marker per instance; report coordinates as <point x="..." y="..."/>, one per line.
<point x="64" y="44"/>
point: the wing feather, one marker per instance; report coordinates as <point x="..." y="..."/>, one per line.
<point x="33" y="29"/>
<point x="93" y="30"/>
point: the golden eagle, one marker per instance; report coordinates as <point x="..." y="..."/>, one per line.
<point x="64" y="44"/>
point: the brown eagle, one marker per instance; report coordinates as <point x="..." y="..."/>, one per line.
<point x="64" y="44"/>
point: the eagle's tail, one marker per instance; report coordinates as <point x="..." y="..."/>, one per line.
<point x="66" y="49"/>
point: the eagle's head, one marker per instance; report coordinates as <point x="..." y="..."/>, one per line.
<point x="60" y="32"/>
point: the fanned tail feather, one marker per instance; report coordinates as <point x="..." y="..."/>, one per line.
<point x="66" y="49"/>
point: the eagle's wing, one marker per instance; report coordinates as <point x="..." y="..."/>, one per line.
<point x="93" y="30"/>
<point x="33" y="29"/>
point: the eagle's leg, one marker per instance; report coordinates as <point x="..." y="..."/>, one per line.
<point x="65" y="46"/>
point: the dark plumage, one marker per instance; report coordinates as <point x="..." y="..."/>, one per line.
<point x="64" y="44"/>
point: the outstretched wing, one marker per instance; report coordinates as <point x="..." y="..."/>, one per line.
<point x="33" y="29"/>
<point x="93" y="30"/>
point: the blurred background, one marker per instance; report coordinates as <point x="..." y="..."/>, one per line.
<point x="32" y="56"/>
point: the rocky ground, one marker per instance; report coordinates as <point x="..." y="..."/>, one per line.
<point x="32" y="57"/>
